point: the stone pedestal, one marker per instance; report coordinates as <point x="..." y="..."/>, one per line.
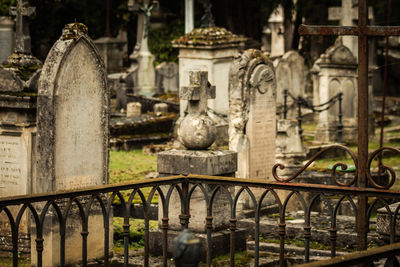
<point x="17" y="141"/>
<point x="203" y="162"/>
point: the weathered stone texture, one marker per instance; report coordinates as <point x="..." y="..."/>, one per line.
<point x="252" y="119"/>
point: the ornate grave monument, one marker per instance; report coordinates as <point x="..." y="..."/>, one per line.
<point x="18" y="95"/>
<point x="198" y="132"/>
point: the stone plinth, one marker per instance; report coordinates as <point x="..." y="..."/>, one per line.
<point x="208" y="49"/>
<point x="17" y="139"/>
<point x="202" y="162"/>
<point x="290" y="150"/>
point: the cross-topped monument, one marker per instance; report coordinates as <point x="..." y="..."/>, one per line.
<point x="362" y="31"/>
<point x="197" y="130"/>
<point x="347" y="15"/>
<point x="23" y="40"/>
<point x="198" y="92"/>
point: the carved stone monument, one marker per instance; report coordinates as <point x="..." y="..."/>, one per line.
<point x="198" y="133"/>
<point x="73" y="133"/>
<point x="337" y="72"/>
<point x="210" y="49"/>
<point x="18" y="96"/>
<point x="252" y="115"/>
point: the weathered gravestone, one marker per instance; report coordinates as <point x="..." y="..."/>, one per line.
<point x="252" y="118"/>
<point x="336" y="70"/>
<point x="290" y="76"/>
<point x="73" y="104"/>
<point x="198" y="133"/>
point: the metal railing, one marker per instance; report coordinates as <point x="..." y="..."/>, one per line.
<point x="376" y="194"/>
<point x="299" y="102"/>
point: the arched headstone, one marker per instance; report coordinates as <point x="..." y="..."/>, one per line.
<point x="252" y="114"/>
<point x="73" y="106"/>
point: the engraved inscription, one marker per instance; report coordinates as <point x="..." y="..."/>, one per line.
<point x="13" y="166"/>
<point x="79" y="132"/>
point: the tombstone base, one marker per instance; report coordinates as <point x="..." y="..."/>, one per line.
<point x="219" y="242"/>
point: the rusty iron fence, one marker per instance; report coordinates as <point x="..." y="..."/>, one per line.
<point x="343" y="188"/>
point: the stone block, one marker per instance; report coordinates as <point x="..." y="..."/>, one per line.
<point x="203" y="162"/>
<point x="133" y="109"/>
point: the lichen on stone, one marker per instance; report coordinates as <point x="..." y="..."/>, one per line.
<point x="73" y="30"/>
<point x="210" y="36"/>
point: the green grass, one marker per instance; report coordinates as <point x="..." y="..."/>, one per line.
<point x="129" y="166"/>
<point x="136" y="233"/>
<point x="132" y="165"/>
<point x="22" y="261"/>
<point x="241" y="259"/>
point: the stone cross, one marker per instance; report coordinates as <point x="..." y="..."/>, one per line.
<point x="198" y="92"/>
<point x="347" y="15"/>
<point x="23" y="39"/>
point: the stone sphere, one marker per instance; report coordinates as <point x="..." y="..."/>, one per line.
<point x="197" y="131"/>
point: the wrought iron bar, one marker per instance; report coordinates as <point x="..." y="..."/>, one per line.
<point x="299" y="117"/>
<point x="340" y="115"/>
<point x="285" y="95"/>
<point x="210" y="186"/>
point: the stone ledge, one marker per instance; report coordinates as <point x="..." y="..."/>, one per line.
<point x="203" y="162"/>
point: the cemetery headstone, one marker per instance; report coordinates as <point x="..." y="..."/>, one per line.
<point x="18" y="96"/>
<point x="133" y="109"/>
<point x="73" y="133"/>
<point x="167" y="78"/>
<point x="6" y="38"/>
<point x="160" y="108"/>
<point x="337" y="72"/>
<point x="290" y="76"/>
<point x="196" y="159"/>
<point x="252" y="114"/>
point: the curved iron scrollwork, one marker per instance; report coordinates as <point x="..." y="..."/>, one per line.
<point x="316" y="156"/>
<point x="383" y="170"/>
